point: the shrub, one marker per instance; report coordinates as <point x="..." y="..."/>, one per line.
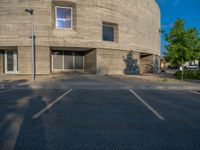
<point x="163" y="80"/>
<point x="189" y="74"/>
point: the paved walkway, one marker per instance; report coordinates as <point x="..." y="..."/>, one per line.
<point x="82" y="81"/>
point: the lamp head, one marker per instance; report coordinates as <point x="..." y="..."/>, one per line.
<point x="29" y="11"/>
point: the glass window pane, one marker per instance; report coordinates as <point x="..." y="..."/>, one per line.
<point x="68" y="60"/>
<point x="78" y="60"/>
<point x="63" y="24"/>
<point x="10" y="61"/>
<point x="60" y="24"/>
<point x="57" y="59"/>
<point x="64" y="17"/>
<point x="108" y="33"/>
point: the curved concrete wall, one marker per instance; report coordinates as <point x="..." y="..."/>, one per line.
<point x="138" y="24"/>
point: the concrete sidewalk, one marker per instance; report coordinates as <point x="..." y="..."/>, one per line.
<point x="85" y="81"/>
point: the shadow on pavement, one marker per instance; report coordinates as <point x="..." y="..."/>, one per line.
<point x="31" y="134"/>
<point x="12" y="106"/>
<point x="10" y="84"/>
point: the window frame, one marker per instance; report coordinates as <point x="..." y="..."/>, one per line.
<point x="63" y="62"/>
<point x="56" y="7"/>
<point x="114" y="26"/>
<point x="52" y="56"/>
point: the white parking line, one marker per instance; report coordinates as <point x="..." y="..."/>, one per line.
<point x="159" y="116"/>
<point x="4" y="91"/>
<point x="195" y="92"/>
<point x="50" y="105"/>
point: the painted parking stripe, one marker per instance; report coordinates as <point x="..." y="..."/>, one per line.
<point x="158" y="115"/>
<point x="50" y="105"/>
<point x="195" y="92"/>
<point x="4" y="91"/>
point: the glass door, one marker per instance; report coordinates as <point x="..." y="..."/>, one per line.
<point x="10" y="61"/>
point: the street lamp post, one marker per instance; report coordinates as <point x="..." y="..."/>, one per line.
<point x="30" y="11"/>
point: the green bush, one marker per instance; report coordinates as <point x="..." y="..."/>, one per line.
<point x="189" y="74"/>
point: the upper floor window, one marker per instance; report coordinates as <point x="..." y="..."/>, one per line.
<point x="109" y="32"/>
<point x="64" y="18"/>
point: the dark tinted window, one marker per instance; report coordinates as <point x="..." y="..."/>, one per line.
<point x="68" y="60"/>
<point x="78" y="60"/>
<point x="108" y="33"/>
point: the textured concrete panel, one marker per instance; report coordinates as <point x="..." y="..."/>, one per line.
<point x="138" y="24"/>
<point x="113" y="61"/>
<point x="24" y="60"/>
<point x="90" y="59"/>
<point x="43" y="60"/>
<point x="146" y="64"/>
<point x="156" y="64"/>
<point x="150" y="64"/>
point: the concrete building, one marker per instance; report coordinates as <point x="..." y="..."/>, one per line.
<point x="93" y="36"/>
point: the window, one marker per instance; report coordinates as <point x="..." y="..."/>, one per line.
<point x="57" y="59"/>
<point x="67" y="60"/>
<point x="109" y="32"/>
<point x="63" y="17"/>
<point x="79" y="58"/>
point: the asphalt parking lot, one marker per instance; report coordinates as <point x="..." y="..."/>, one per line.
<point x="97" y="118"/>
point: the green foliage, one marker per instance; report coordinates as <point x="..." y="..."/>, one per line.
<point x="193" y="43"/>
<point x="189" y="74"/>
<point x="163" y="80"/>
<point x="197" y="50"/>
<point x="183" y="45"/>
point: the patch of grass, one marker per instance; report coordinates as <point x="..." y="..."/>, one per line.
<point x="163" y="80"/>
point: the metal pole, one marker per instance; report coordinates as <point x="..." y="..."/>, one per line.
<point x="30" y="11"/>
<point x="33" y="47"/>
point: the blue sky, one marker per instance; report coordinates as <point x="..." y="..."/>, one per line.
<point x="188" y="10"/>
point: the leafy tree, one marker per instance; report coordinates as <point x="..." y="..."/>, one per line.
<point x="197" y="50"/>
<point x="193" y="43"/>
<point x="183" y="45"/>
<point x="177" y="50"/>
